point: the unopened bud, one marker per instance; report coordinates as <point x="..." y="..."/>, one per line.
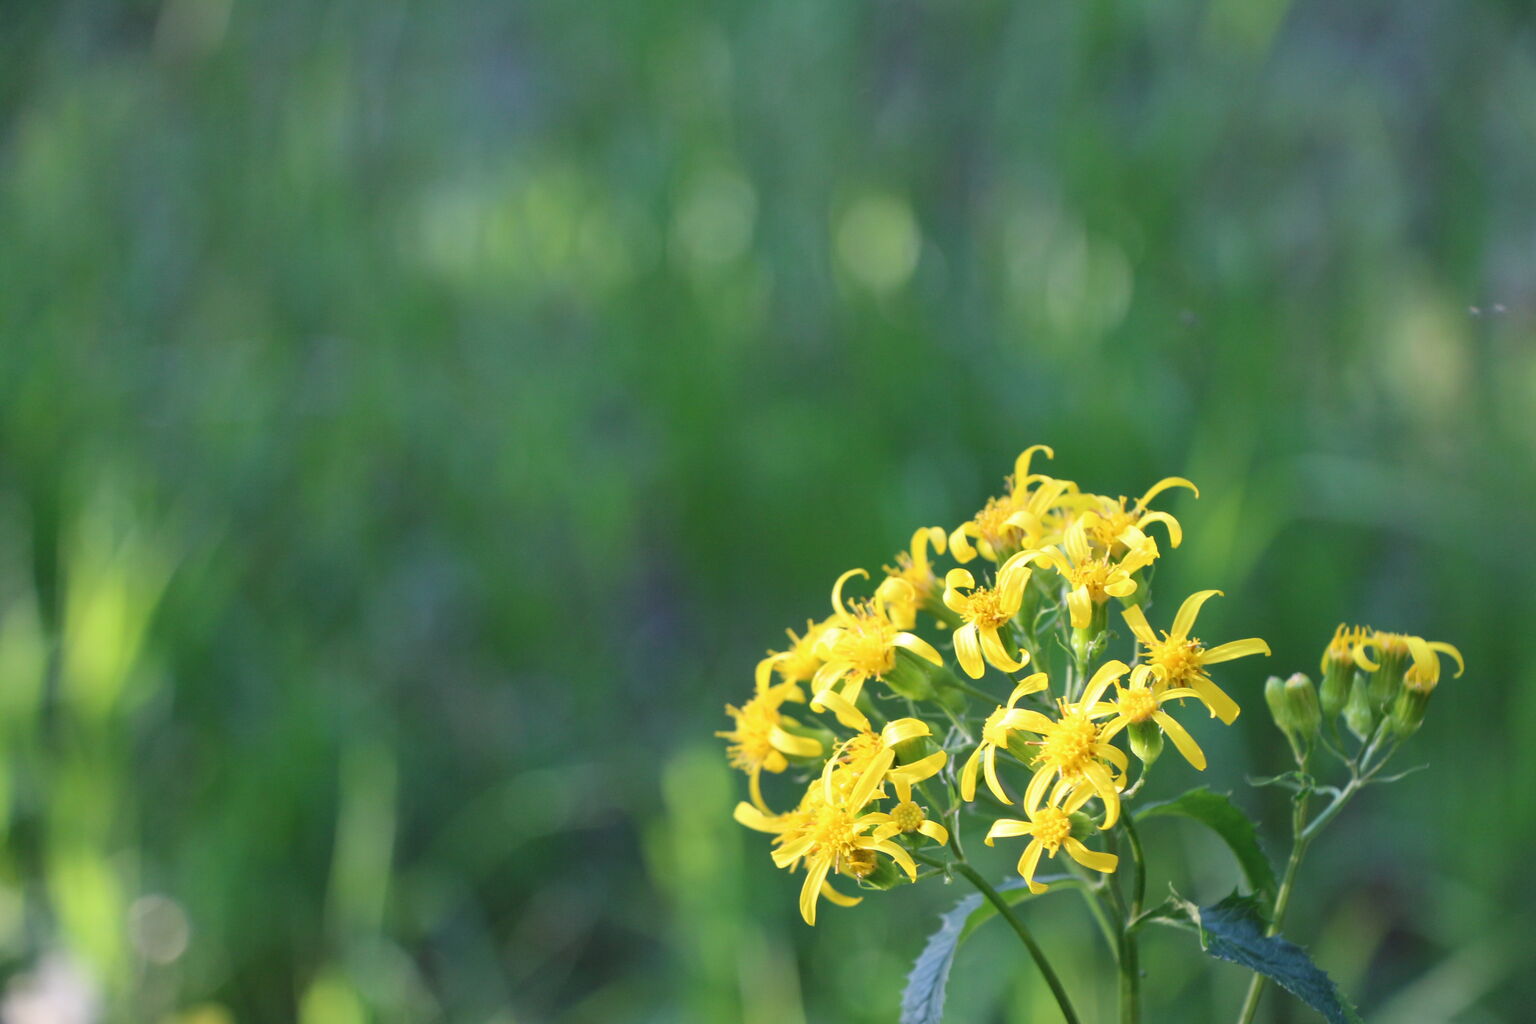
<point x="1146" y="741"/>
<point x="1082" y="825"/>
<point x="880" y="874"/>
<point x="1358" y="713"/>
<point x="1387" y="680"/>
<point x="908" y="677"/>
<point x="1408" y="711"/>
<point x="1334" y="693"/>
<point x="1302" y="708"/>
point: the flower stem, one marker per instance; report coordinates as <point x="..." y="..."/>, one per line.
<point x="1301" y="838"/>
<point x="1006" y="910"/>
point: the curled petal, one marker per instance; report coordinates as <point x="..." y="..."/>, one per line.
<point x="1175" y="531"/>
<point x="918" y="646"/>
<point x="1028" y="861"/>
<point x="1092" y="859"/>
<point x="968" y="650"/>
<point x="1008" y="828"/>
<point x="968" y="773"/>
<point x="900" y="856"/>
<point x="796" y="746"/>
<point x="1035" y="791"/>
<point x="837" y="589"/>
<point x="903" y="729"/>
<point x="1221" y="706"/>
<point x="933" y="830"/>
<point x="1021" y="464"/>
<point x="1234" y="649"/>
<point x="1162" y="485"/>
<point x="1441" y="645"/>
<point x="992" y="647"/>
<point x="756" y="819"/>
<point x="919" y="770"/>
<point x="1029" y="684"/>
<point x="1184" y="621"/>
<point x="989" y="767"/>
<point x="1080" y="605"/>
<point x="833" y="896"/>
<point x="1108" y="672"/>
<point x="960" y="544"/>
<point x="842" y="707"/>
<point x="815" y="875"/>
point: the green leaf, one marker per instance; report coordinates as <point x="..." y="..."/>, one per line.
<point x="1233" y="930"/>
<point x="923" y="1000"/>
<point x="1220" y="815"/>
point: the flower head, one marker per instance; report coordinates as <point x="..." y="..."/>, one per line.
<point x="985" y="610"/>
<point x="994" y="735"/>
<point x="860" y="645"/>
<point x="1180" y="660"/>
<point x="914" y="568"/>
<point x="1120" y="523"/>
<point x="759" y="741"/>
<point x="1139" y="703"/>
<point x="1073" y="752"/>
<point x="1050" y="829"/>
<point x="1018" y="519"/>
<point x="1424" y="674"/>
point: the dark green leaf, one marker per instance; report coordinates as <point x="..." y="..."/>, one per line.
<point x="923" y="1000"/>
<point x="1217" y="812"/>
<point x="1233" y="930"/>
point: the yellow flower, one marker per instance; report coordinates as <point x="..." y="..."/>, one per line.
<point x="1348" y="646"/>
<point x="1015" y="520"/>
<point x="759" y="741"/>
<point x="913" y="567"/>
<point x="1180" y="660"/>
<point x="907" y="817"/>
<point x="985" y="610"/>
<point x="994" y="735"/>
<point x="827" y="836"/>
<point x="859" y="646"/>
<point x="859" y="767"/>
<point x="1049" y="829"/>
<point x="797" y="663"/>
<point x="1424" y="674"/>
<point x="1073" y="752"/>
<point x="1141" y="702"/>
<point x="1119" y="525"/>
<point x="1092" y="579"/>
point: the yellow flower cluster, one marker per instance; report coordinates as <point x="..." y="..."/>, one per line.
<point x="1058" y="555"/>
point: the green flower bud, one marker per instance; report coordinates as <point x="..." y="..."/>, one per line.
<point x="873" y="872"/>
<point x="1335" y="689"/>
<point x="908" y="677"/>
<point x="1146" y="741"/>
<point x="1358" y="713"/>
<point x="1303" y="711"/>
<point x="1408" y="711"/>
<point x="1083" y="826"/>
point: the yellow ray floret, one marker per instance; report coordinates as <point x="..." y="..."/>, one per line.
<point x="858" y="769"/>
<point x="1120" y="522"/>
<point x="1424" y="674"/>
<point x="1017" y="519"/>
<point x="984" y="611"/>
<point x="994" y="735"/>
<point x="1180" y="660"/>
<point x="1050" y="829"/>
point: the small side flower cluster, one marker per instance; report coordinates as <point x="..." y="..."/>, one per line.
<point x="893" y="743"/>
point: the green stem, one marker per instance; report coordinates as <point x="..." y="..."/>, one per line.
<point x="1006" y="910"/>
<point x="976" y="692"/>
<point x="1301" y="838"/>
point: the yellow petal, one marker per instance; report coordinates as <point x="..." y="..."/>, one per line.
<point x="1162" y="485"/>
<point x="1441" y="645"/>
<point x="1234" y="649"/>
<point x="1092" y="859"/>
<point x="903" y="729"/>
<point x="968" y="774"/>
<point x="994" y="651"/>
<point x="837" y="589"/>
<point x="960" y="545"/>
<point x="1080" y="604"/>
<point x="968" y="651"/>
<point x="1181" y="739"/>
<point x="921" y="769"/>
<point x="797" y="746"/>
<point x="1108" y="672"/>
<point x="989" y="766"/>
<point x="1028" y="685"/>
<point x="1021" y="464"/>
<point x="1008" y="828"/>
<point x="833" y="896"/>
<point x="1175" y="532"/>
<point x="815" y="875"/>
<point x="933" y="830"/>
<point x="1222" y="706"/>
<point x="756" y="819"/>
<point x="1028" y="861"/>
<point x="1137" y="620"/>
<point x="1184" y="621"/>
<point x="918" y="646"/>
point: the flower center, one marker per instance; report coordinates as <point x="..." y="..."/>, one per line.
<point x="1179" y="660"/>
<point x="907" y="816"/>
<point x="866" y="643"/>
<point x="984" y="608"/>
<point x="1137" y="704"/>
<point x="1052" y="826"/>
<point x="1070" y="745"/>
<point x="753" y="733"/>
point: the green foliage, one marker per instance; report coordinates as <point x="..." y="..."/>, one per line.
<point x="1233" y="930"/>
<point x="1217" y="812"/>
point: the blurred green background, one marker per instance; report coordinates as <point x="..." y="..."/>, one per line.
<point x="416" y="420"/>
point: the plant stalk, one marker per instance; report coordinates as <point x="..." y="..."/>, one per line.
<point x="1006" y="910"/>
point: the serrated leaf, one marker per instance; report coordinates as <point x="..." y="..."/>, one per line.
<point x="1233" y="930"/>
<point x="1216" y="812"/>
<point x="923" y="1000"/>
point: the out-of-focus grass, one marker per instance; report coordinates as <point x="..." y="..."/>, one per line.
<point x="415" y="421"/>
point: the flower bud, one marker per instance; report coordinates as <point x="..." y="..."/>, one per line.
<point x="1302" y="708"/>
<point x="1408" y="711"/>
<point x="1387" y="680"/>
<point x="1334" y="694"/>
<point x="1358" y="713"/>
<point x="1083" y="826"/>
<point x="1146" y="741"/>
<point x="873" y="872"/>
<point x="908" y="677"/>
